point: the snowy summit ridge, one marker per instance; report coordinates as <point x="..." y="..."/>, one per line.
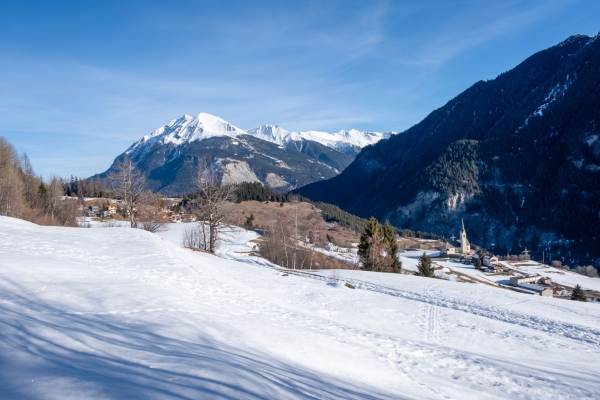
<point x="186" y="129"/>
<point x="189" y="129"/>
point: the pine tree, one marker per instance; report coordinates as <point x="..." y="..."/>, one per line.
<point x="578" y="294"/>
<point x="42" y="190"/>
<point x="389" y="236"/>
<point x="477" y="263"/>
<point x="425" y="267"/>
<point x="370" y="246"/>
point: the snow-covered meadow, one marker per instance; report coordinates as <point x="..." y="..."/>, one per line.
<point x="123" y="313"/>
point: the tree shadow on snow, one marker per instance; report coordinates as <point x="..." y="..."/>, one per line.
<point x="45" y="352"/>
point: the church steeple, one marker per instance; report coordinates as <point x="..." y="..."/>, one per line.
<point x="465" y="246"/>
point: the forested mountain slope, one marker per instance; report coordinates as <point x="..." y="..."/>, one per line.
<point x="518" y="157"/>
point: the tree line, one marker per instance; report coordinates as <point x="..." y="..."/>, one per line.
<point x="81" y="187"/>
<point x="26" y="195"/>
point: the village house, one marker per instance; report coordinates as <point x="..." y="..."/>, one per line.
<point x="535" y="283"/>
<point x="496" y="268"/>
<point x="489" y="261"/>
<point x="92" y="211"/>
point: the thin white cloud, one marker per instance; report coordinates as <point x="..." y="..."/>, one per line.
<point x="476" y="25"/>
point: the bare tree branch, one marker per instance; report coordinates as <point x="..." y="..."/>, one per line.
<point x="213" y="206"/>
<point x="127" y="184"/>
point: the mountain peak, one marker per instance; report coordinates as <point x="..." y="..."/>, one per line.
<point x="573" y="39"/>
<point x="189" y="129"/>
<point x="186" y="129"/>
<point x="270" y="133"/>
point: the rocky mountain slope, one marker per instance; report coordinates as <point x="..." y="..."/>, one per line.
<point x="283" y="160"/>
<point x="518" y="157"/>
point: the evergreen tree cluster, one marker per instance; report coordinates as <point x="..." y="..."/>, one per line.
<point x="256" y="191"/>
<point x="249" y="191"/>
<point x="378" y="249"/>
<point x="332" y="213"/>
<point x="456" y="170"/>
<point x="91" y="187"/>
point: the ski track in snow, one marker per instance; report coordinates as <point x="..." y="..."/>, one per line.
<point x="569" y="330"/>
<point x="455" y="363"/>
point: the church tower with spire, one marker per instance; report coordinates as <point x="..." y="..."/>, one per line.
<point x="465" y="246"/>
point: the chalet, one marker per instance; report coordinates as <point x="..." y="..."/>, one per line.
<point x="489" y="261"/>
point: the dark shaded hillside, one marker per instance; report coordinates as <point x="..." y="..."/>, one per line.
<point x="528" y="175"/>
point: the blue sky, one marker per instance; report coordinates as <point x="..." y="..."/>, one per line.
<point x="82" y="80"/>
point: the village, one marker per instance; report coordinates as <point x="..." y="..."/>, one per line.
<point x="456" y="260"/>
<point x="453" y="259"/>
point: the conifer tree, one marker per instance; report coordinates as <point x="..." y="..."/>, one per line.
<point x="389" y="236"/>
<point x="578" y="294"/>
<point x="425" y="267"/>
<point x="370" y="246"/>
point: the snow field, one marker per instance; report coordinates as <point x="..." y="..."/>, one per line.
<point x="123" y="313"/>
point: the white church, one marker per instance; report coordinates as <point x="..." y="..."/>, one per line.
<point x="462" y="247"/>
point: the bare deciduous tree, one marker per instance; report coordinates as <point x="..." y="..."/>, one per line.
<point x="54" y="199"/>
<point x="213" y="205"/>
<point x="196" y="236"/>
<point x="290" y="239"/>
<point x="127" y="183"/>
<point x="24" y="195"/>
<point x="149" y="213"/>
<point x="589" y="270"/>
<point x="11" y="184"/>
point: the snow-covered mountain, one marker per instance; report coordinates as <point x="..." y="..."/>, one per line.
<point x="281" y="159"/>
<point x="189" y="129"/>
<point x="347" y="142"/>
<point x="271" y="133"/>
<point x="184" y="130"/>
